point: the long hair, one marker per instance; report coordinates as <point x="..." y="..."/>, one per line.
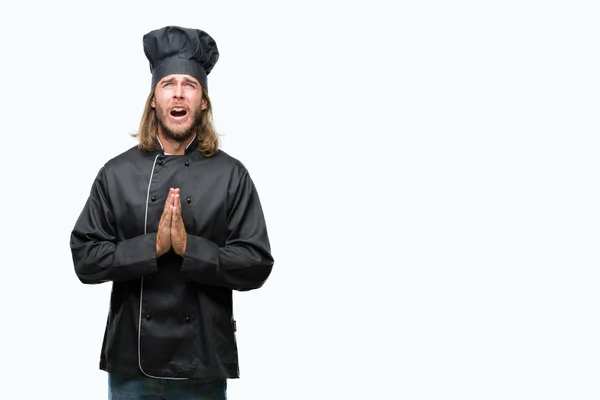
<point x="148" y="131"/>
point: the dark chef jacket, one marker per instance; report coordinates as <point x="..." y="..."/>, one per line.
<point x="171" y="316"/>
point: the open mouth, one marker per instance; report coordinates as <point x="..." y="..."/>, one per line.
<point x="178" y="112"/>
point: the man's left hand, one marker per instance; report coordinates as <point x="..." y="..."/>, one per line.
<point x="178" y="233"/>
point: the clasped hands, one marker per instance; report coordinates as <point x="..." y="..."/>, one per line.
<point x="171" y="230"/>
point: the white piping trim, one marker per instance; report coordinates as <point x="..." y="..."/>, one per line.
<point x="168" y="154"/>
<point x="142" y="286"/>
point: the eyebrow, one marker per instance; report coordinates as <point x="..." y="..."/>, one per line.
<point x="185" y="79"/>
<point x="190" y="81"/>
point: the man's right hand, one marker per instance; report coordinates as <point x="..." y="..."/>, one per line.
<point x="163" y="235"/>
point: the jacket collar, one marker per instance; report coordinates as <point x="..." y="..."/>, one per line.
<point x="192" y="145"/>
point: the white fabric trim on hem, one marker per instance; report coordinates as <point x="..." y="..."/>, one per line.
<point x="142" y="285"/>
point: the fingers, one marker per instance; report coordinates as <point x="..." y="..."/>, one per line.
<point x="170" y="199"/>
<point x="167" y="215"/>
<point x="176" y="207"/>
<point x="167" y="203"/>
<point x="172" y="193"/>
<point x="166" y="219"/>
<point x="177" y="204"/>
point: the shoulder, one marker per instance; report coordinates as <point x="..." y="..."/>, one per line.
<point x="227" y="159"/>
<point x="230" y="168"/>
<point x="228" y="163"/>
<point x="126" y="159"/>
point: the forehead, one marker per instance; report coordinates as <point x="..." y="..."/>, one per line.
<point x="179" y="78"/>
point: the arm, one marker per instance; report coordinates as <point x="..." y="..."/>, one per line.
<point x="98" y="256"/>
<point x="245" y="261"/>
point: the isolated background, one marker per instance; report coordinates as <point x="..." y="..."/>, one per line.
<point x="428" y="171"/>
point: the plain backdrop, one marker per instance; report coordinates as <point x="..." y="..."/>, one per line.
<point x="428" y="171"/>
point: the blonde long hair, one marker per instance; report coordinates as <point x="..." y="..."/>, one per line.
<point x="148" y="130"/>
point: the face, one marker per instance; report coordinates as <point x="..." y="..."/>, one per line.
<point x="179" y="104"/>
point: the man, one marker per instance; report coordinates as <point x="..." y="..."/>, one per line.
<point x="176" y="225"/>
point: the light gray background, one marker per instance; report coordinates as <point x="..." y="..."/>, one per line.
<point x="428" y="171"/>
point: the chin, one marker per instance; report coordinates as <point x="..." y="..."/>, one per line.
<point x="179" y="135"/>
<point x="180" y="131"/>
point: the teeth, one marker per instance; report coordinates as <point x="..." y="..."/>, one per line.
<point x="177" y="109"/>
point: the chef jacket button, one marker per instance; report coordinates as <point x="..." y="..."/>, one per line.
<point x="153" y="198"/>
<point x="147" y="316"/>
<point x="187" y="163"/>
<point x="189" y="200"/>
<point x="187" y="318"/>
<point x="159" y="162"/>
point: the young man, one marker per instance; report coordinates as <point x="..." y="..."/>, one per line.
<point x="176" y="225"/>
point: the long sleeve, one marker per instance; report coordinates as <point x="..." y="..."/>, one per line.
<point x="98" y="255"/>
<point x="245" y="261"/>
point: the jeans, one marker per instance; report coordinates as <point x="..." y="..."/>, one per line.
<point x="135" y="388"/>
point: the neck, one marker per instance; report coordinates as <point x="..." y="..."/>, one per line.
<point x="171" y="146"/>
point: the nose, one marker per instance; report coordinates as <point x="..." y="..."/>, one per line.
<point x="178" y="92"/>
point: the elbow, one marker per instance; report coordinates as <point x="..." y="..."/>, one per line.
<point x="87" y="276"/>
<point x="91" y="263"/>
<point x="89" y="270"/>
<point x="90" y="281"/>
<point x="259" y="276"/>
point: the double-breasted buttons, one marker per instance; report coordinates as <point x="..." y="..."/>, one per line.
<point x="187" y="318"/>
<point x="187" y="163"/>
<point x="159" y="162"/>
<point x="148" y="316"/>
<point x="153" y="198"/>
<point x="189" y="199"/>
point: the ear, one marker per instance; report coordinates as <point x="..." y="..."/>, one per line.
<point x="204" y="104"/>
<point x="152" y="103"/>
